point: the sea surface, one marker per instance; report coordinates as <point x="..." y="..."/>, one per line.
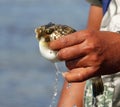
<point x="27" y="79"/>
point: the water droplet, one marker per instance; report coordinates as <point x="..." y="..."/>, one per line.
<point x="74" y="105"/>
<point x="57" y="69"/>
<point x="69" y="85"/>
<point x="55" y="89"/>
<point x="55" y="94"/>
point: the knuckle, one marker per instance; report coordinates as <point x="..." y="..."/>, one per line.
<point x="95" y="57"/>
<point x="89" y="47"/>
<point x="90" y="33"/>
<point x="90" y="42"/>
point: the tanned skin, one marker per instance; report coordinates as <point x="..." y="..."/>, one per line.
<point x="75" y="93"/>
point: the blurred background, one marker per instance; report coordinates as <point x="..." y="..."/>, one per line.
<point x="27" y="79"/>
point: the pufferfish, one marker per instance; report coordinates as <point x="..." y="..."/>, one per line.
<point x="49" y="32"/>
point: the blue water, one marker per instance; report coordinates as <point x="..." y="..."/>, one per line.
<point x="27" y="79"/>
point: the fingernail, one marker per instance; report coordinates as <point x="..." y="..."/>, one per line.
<point x="64" y="74"/>
<point x="58" y="55"/>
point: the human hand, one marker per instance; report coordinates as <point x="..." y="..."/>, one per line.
<point x="88" y="54"/>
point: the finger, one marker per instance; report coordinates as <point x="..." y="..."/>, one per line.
<point x="89" y="60"/>
<point x="80" y="74"/>
<point x="86" y="61"/>
<point x="68" y="40"/>
<point x="73" y="52"/>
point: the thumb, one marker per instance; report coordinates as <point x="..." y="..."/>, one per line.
<point x="79" y="74"/>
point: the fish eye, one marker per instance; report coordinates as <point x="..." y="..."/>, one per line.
<point x="49" y="31"/>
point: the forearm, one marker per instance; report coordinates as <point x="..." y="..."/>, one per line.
<point x="72" y="94"/>
<point x="94" y="18"/>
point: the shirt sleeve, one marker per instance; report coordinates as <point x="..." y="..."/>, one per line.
<point x="95" y="2"/>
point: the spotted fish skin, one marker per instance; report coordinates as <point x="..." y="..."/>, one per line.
<point x="53" y="31"/>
